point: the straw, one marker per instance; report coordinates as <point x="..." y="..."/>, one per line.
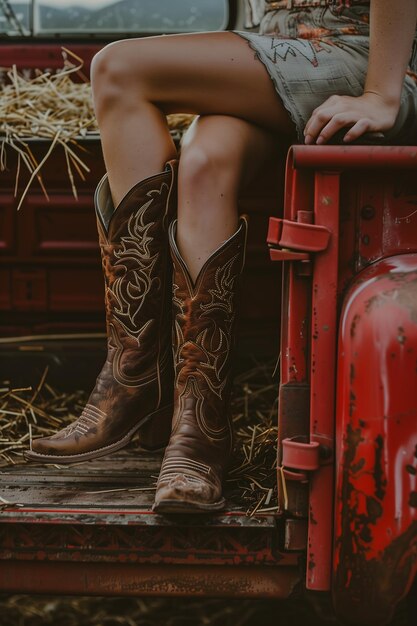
<point x="56" y="108"/>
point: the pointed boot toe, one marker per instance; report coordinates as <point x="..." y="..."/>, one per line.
<point x="183" y="493"/>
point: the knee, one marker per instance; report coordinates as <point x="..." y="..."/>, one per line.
<point x="201" y="165"/>
<point x="111" y="76"/>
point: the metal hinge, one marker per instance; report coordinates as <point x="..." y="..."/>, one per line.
<point x="299" y="459"/>
<point x="294" y="241"/>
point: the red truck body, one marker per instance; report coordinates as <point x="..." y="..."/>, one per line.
<point x="348" y="394"/>
<point x="349" y="369"/>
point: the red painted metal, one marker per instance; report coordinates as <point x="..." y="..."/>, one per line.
<point x="354" y="157"/>
<point x="295" y="302"/>
<point x="327" y="188"/>
<point x="377" y="220"/>
<point x="299" y="454"/>
<point x="322" y="374"/>
<point x="294" y="393"/>
<point x="376" y="516"/>
<point x="45" y="55"/>
<point x="317" y="301"/>
<point x="117" y="536"/>
<point x="279" y="254"/>
<point x="297" y="235"/>
<point x="126" y="579"/>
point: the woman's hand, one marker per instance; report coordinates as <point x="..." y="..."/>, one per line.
<point x="362" y="114"/>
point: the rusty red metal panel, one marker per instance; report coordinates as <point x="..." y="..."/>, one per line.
<point x="44" y="55"/>
<point x="378" y="219"/>
<point x="322" y="364"/>
<point x="125" y="579"/>
<point x="308" y="355"/>
<point x="296" y="290"/>
<point x="376" y="515"/>
<point x="147" y="542"/>
<point x="294" y="394"/>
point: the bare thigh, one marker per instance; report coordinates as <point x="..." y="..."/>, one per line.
<point x="203" y="73"/>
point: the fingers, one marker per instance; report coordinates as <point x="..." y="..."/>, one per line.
<point x="326" y="123"/>
<point x="334" y="115"/>
<point x="318" y="120"/>
<point x="357" y="130"/>
<point x="340" y="121"/>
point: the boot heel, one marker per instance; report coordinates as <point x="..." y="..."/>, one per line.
<point x="155" y="433"/>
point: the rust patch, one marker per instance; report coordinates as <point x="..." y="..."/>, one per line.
<point x="326" y="200"/>
<point x="311" y="563"/>
<point x="355" y="321"/>
<point x="358" y="466"/>
<point x="401" y="335"/>
<point x="412" y="501"/>
<point x="379" y="476"/>
<point x="366" y="590"/>
<point x="404" y="293"/>
<point x="311" y="516"/>
<point x="352" y="403"/>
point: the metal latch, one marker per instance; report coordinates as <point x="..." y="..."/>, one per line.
<point x="294" y="241"/>
<point x="299" y="455"/>
<point x="298" y="458"/>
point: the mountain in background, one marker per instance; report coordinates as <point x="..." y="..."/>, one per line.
<point x="127" y="15"/>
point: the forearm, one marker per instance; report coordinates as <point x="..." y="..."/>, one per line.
<point x="392" y="27"/>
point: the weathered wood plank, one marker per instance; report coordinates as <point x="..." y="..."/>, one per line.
<point x="118" y="489"/>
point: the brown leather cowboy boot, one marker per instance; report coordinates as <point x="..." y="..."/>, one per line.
<point x="192" y="471"/>
<point x="135" y="387"/>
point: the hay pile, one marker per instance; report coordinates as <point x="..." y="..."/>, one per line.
<point x="252" y="477"/>
<point x="55" y="108"/>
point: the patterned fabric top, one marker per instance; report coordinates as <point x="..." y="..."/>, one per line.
<point x="314" y="19"/>
<point x="308" y="19"/>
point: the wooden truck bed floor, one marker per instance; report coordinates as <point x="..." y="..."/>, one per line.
<point x="119" y="486"/>
<point x="89" y="528"/>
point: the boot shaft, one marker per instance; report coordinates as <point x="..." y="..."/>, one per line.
<point x="137" y="272"/>
<point x="204" y="328"/>
<point x="204" y="319"/>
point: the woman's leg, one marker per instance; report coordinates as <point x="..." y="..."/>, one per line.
<point x="220" y="155"/>
<point x="137" y="81"/>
